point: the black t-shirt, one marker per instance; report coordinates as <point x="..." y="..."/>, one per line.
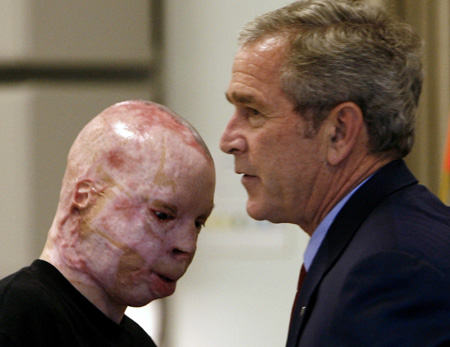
<point x="39" y="307"/>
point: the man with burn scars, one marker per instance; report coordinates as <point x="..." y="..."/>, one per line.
<point x="138" y="187"/>
<point x="325" y="94"/>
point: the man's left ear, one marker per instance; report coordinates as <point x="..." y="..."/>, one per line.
<point x="84" y="195"/>
<point x="345" y="125"/>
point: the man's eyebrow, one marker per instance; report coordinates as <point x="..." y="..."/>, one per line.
<point x="161" y="204"/>
<point x="245" y="99"/>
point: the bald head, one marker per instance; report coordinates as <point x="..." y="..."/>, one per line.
<point x="113" y="136"/>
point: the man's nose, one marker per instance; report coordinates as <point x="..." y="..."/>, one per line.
<point x="232" y="140"/>
<point x="185" y="244"/>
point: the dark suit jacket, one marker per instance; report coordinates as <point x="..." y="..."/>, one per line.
<point x="382" y="274"/>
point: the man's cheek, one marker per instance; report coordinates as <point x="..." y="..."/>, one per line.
<point x="131" y="265"/>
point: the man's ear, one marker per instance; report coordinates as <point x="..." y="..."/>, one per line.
<point x="84" y="195"/>
<point x="345" y="126"/>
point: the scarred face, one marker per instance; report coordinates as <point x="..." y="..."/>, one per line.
<point x="140" y="235"/>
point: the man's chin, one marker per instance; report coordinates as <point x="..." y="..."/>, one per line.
<point x="255" y="211"/>
<point x="260" y="212"/>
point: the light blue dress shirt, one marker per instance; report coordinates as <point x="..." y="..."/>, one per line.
<point x="321" y="231"/>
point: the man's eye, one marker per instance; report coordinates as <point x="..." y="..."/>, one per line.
<point x="254" y="112"/>
<point x="255" y="118"/>
<point x="163" y="216"/>
<point x="199" y="225"/>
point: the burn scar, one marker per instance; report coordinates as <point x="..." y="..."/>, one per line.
<point x="161" y="177"/>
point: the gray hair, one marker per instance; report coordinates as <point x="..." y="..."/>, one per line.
<point x="342" y="51"/>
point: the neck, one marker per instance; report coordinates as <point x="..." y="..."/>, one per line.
<point x="65" y="259"/>
<point x="340" y="182"/>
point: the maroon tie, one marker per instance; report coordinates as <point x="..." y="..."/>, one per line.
<point x="300" y="281"/>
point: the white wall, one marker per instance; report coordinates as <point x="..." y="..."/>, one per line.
<point x="240" y="287"/>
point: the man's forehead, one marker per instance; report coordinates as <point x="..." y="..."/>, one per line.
<point x="149" y="123"/>
<point x="142" y="116"/>
<point x="161" y="149"/>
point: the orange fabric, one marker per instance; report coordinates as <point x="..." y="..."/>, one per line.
<point x="444" y="186"/>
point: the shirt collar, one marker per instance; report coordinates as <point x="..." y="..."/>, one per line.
<point x="321" y="231"/>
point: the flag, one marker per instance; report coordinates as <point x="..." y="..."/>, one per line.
<point x="444" y="185"/>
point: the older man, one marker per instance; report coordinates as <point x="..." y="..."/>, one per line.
<point x="325" y="94"/>
<point x="138" y="188"/>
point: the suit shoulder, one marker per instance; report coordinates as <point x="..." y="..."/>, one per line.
<point x="413" y="221"/>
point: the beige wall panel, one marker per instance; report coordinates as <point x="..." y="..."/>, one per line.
<point x="431" y="19"/>
<point x="94" y="32"/>
<point x="15" y="183"/>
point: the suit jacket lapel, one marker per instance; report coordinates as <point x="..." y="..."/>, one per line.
<point x="387" y="180"/>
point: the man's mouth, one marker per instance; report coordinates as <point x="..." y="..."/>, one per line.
<point x="239" y="172"/>
<point x="165" y="278"/>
